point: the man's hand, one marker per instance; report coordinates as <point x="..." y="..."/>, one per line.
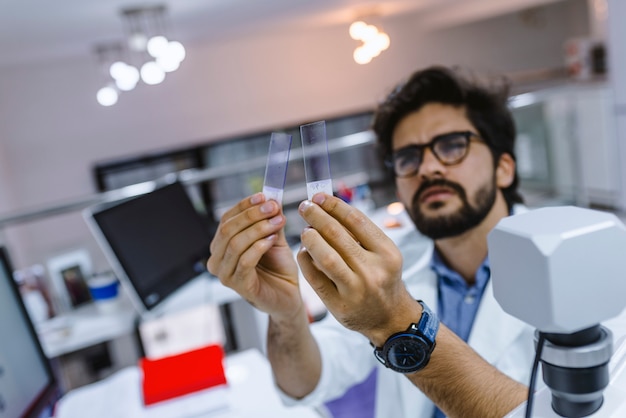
<point x="250" y="254"/>
<point x="354" y="268"/>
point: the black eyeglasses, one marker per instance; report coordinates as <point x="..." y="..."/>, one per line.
<point x="449" y="149"/>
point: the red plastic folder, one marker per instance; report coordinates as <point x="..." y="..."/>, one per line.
<point x="180" y="374"/>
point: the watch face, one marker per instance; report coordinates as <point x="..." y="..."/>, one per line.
<point x="407" y="353"/>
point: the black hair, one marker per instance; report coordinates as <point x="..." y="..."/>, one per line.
<point x="486" y="104"/>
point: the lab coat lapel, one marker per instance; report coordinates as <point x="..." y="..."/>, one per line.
<point x="423" y="286"/>
<point x="494" y="330"/>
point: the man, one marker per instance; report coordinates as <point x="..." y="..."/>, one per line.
<point x="450" y="144"/>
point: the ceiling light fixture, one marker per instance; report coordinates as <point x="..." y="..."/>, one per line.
<point x="374" y="41"/>
<point x="146" y="54"/>
<point x="109" y="61"/>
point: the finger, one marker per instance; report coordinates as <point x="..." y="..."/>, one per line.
<point x="240" y="207"/>
<point x="241" y="277"/>
<point x="242" y="254"/>
<point x="244" y="204"/>
<point x="366" y="232"/>
<point x="231" y="249"/>
<point x="334" y="233"/>
<point x="327" y="260"/>
<point x="281" y="239"/>
<point x="240" y="232"/>
<point x="320" y="283"/>
<point x="246" y="213"/>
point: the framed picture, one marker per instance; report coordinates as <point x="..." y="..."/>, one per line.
<point x="69" y="273"/>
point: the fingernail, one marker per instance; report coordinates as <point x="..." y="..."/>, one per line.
<point x="270" y="237"/>
<point x="319" y="198"/>
<point x="267" y="207"/>
<point x="256" y="198"/>
<point x="276" y="220"/>
<point x="305" y="230"/>
<point x="304" y="205"/>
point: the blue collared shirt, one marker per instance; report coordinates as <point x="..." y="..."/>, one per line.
<point x="457" y="301"/>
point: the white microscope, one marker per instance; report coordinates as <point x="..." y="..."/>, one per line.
<point x="563" y="271"/>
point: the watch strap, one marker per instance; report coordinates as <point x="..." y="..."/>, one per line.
<point x="428" y="324"/>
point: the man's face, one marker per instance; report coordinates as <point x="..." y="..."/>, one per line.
<point x="445" y="200"/>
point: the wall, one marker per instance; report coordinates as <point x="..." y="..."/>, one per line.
<point x="52" y="130"/>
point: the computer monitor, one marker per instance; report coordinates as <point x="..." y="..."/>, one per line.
<point x="155" y="242"/>
<point x="27" y="384"/>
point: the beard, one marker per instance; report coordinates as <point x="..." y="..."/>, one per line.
<point x="464" y="219"/>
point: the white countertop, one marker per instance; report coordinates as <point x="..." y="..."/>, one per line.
<point x="250" y="393"/>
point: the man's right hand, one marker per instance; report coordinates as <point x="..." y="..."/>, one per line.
<point x="250" y="254"/>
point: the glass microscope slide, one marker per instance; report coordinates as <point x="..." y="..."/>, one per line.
<point x="276" y="166"/>
<point x="316" y="158"/>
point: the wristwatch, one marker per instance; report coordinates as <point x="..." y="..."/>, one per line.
<point x="409" y="351"/>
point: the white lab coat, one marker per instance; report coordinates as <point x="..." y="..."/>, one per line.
<point x="347" y="356"/>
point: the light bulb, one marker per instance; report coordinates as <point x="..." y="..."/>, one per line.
<point x="382" y="41"/>
<point x="356" y="29"/>
<point x="176" y="51"/>
<point x="172" y="56"/>
<point x="129" y="80"/>
<point x="131" y="75"/>
<point x="372" y="49"/>
<point x="157" y="46"/>
<point x="369" y="33"/>
<point x="125" y="76"/>
<point x="116" y="70"/>
<point x="361" y="55"/>
<point x="167" y="64"/>
<point x="107" y="96"/>
<point x="151" y="73"/>
<point x="137" y="41"/>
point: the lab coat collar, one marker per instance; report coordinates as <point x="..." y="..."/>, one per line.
<point x="494" y="330"/>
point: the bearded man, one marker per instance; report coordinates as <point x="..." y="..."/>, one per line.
<point x="438" y="338"/>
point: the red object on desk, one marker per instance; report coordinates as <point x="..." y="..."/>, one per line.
<point x="177" y="375"/>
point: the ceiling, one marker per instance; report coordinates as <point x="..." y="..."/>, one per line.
<point x="37" y="30"/>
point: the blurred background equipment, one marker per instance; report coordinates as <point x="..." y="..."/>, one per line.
<point x="28" y="386"/>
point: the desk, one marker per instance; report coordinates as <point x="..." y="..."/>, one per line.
<point x="84" y="327"/>
<point x="250" y="393"/>
<point x="88" y="335"/>
<point x="87" y="325"/>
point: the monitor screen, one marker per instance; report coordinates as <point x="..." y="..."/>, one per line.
<point x="27" y="385"/>
<point x="156" y="242"/>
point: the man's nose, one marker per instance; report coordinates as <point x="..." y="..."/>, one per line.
<point x="430" y="164"/>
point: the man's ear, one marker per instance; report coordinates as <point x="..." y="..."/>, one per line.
<point x="505" y="171"/>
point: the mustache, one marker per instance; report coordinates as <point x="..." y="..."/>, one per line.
<point x="439" y="182"/>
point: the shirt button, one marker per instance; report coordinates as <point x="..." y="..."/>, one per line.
<point x="469" y="299"/>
